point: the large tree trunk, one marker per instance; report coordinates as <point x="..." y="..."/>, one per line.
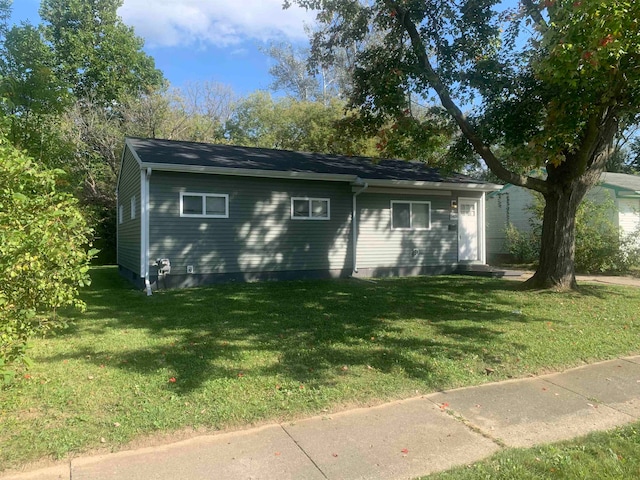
<point x="558" y="243"/>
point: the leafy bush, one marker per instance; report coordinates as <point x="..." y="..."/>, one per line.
<point x="630" y="250"/>
<point x="597" y="238"/>
<point x="599" y="244"/>
<point x="43" y="254"/>
<point x="523" y="246"/>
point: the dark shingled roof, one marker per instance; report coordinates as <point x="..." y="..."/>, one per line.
<point x="171" y="152"/>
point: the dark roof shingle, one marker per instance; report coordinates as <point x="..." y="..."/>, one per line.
<point x="172" y="152"/>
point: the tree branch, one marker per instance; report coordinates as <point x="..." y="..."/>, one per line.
<point x="467" y="129"/>
<point x="535" y="14"/>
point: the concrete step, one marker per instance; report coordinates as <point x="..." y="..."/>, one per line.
<point x="483" y="270"/>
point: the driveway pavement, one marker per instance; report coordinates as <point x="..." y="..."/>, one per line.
<point x="399" y="440"/>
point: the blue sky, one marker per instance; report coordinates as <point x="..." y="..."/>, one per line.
<point x="205" y="40"/>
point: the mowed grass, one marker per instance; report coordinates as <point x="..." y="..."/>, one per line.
<point x="227" y="356"/>
<point x="603" y="455"/>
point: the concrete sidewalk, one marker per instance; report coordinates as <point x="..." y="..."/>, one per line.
<point x="404" y="439"/>
<point x="624" y="280"/>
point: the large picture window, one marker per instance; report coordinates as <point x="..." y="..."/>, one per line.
<point x="303" y="208"/>
<point x="410" y="215"/>
<point x="206" y="205"/>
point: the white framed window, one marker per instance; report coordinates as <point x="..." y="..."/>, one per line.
<point x="305" y="208"/>
<point x="410" y="215"/>
<point x="204" y="205"/>
<point x="133" y="207"/>
<point x="121" y="214"/>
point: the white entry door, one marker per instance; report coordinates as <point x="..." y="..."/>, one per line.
<point x="468" y="229"/>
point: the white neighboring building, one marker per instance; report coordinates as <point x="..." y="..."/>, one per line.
<point x="512" y="205"/>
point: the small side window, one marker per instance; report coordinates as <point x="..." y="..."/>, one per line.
<point x="206" y="205"/>
<point x="303" y="208"/>
<point x="192" y="205"/>
<point x="410" y="215"/>
<point x="120" y="214"/>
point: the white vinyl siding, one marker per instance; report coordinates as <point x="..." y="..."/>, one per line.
<point x="204" y="205"/>
<point x="410" y="215"/>
<point x="303" y="208"/>
<point x="629" y="215"/>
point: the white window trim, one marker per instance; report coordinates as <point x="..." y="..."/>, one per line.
<point x="204" y="197"/>
<point x="310" y="199"/>
<point x="133" y="207"/>
<point x="120" y="214"/>
<point x="411" y="227"/>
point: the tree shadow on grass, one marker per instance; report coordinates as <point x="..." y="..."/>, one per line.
<point x="303" y="331"/>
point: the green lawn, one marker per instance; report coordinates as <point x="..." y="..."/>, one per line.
<point x="603" y="455"/>
<point x="238" y="354"/>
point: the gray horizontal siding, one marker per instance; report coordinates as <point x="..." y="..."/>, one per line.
<point x="129" y="231"/>
<point x="381" y="247"/>
<point x="258" y="236"/>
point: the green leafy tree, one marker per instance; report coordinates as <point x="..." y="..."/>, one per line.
<point x="96" y="134"/>
<point x="68" y="85"/>
<point x="546" y="83"/>
<point x="634" y="157"/>
<point x="43" y="254"/>
<point x="261" y="121"/>
<point x="5" y="16"/>
<point x="290" y="72"/>
<point x="34" y="97"/>
<point x="97" y="54"/>
<point x="28" y="68"/>
<point x="290" y="124"/>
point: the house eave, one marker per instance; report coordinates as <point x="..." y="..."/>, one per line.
<point x="418" y="185"/>
<point x="247" y="172"/>
<point x="330" y="177"/>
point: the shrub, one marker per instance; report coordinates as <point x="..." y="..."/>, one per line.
<point x="597" y="238"/>
<point x="523" y="246"/>
<point x="599" y="244"/>
<point x="43" y="254"/>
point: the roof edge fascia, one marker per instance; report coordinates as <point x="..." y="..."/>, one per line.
<point x="481" y="187"/>
<point x="332" y="177"/>
<point x="127" y="142"/>
<point x="248" y="172"/>
<point x="128" y="145"/>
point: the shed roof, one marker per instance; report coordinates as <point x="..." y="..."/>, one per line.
<point x="192" y="156"/>
<point x="623" y="184"/>
<point x="621" y="181"/>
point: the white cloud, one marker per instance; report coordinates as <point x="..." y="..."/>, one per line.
<point x="221" y="23"/>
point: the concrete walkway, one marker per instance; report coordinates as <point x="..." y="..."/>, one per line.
<point x="399" y="440"/>
<point x="624" y="280"/>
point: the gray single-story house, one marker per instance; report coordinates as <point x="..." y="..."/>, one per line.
<point x="512" y="205"/>
<point x="219" y="212"/>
